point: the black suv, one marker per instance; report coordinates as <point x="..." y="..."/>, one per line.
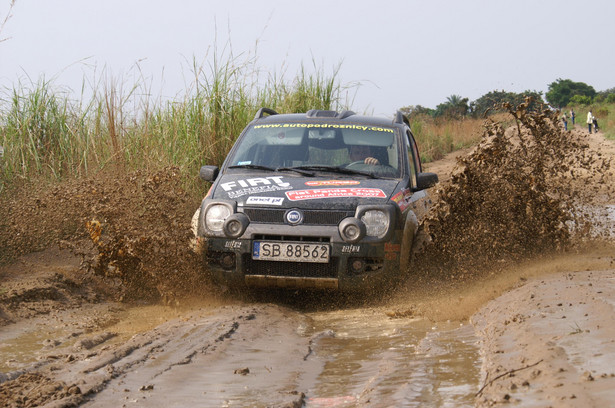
<point x="323" y="199"/>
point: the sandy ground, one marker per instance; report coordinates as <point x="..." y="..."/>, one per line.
<point x="546" y="338"/>
<point x="550" y="342"/>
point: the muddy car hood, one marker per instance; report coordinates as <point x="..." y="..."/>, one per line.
<point x="283" y="190"/>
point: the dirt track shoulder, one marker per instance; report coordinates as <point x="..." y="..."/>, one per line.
<point x="550" y="341"/>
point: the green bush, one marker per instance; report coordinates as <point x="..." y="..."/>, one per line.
<point x="583" y="100"/>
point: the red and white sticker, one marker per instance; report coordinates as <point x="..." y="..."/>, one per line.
<point x="332" y="183"/>
<point x="313" y="194"/>
<point x="402" y="199"/>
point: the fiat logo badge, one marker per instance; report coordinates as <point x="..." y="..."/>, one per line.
<point x="294" y="217"/>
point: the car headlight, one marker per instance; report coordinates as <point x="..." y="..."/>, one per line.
<point x="215" y="217"/>
<point x="376" y="222"/>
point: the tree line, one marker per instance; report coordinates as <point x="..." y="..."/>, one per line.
<point x="560" y="93"/>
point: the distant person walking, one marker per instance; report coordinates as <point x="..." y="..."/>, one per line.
<point x="565" y="120"/>
<point x="572" y="116"/>
<point x="595" y="121"/>
<point x="590" y="121"/>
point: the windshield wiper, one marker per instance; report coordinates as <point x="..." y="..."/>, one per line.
<point x="251" y="166"/>
<point x="335" y="169"/>
<point x="266" y="168"/>
<point x="296" y="170"/>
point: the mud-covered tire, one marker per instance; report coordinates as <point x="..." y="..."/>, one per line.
<point x="407" y="243"/>
<point x="421" y="240"/>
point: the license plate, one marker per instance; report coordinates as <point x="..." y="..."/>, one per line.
<point x="290" y="252"/>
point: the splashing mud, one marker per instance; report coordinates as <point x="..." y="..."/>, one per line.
<point x="142" y="238"/>
<point x="517" y="194"/>
<point x="529" y="200"/>
<point x="133" y="230"/>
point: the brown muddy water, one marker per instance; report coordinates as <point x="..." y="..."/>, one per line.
<point x="336" y="358"/>
<point x="369" y="358"/>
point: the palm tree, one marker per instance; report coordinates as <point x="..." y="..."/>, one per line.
<point x="455" y="106"/>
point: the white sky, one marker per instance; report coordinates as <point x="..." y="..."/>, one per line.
<point x="414" y="52"/>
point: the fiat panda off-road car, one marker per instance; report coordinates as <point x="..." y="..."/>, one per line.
<point x="323" y="199"/>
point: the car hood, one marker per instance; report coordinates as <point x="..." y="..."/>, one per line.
<point x="281" y="190"/>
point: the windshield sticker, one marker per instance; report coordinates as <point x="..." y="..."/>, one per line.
<point x="297" y="195"/>
<point x="265" y="200"/>
<point x="332" y="183"/>
<point x="244" y="163"/>
<point x="324" y="126"/>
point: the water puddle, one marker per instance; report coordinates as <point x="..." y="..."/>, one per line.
<point x="26" y="348"/>
<point x="369" y="357"/>
<point x="49" y="336"/>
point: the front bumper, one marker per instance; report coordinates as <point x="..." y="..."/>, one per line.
<point x="350" y="267"/>
<point x="353" y="263"/>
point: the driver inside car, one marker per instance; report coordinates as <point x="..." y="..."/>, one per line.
<point x="362" y="153"/>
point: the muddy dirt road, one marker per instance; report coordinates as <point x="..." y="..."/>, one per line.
<point x="264" y="351"/>
<point x="403" y="351"/>
<point x="536" y="332"/>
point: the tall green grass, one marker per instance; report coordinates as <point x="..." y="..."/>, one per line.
<point x="48" y="134"/>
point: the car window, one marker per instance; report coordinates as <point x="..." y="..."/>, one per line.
<point x="413" y="159"/>
<point x="309" y="144"/>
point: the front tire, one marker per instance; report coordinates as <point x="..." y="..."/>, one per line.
<point x="410" y="228"/>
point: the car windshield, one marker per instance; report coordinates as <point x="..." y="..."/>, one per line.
<point x="362" y="148"/>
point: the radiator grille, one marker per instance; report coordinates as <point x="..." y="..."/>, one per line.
<point x="293" y="269"/>
<point x="310" y="217"/>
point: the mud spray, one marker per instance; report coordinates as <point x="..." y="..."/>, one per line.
<point x="132" y="231"/>
<point x="521" y="194"/>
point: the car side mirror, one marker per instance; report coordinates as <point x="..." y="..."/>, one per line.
<point x="426" y="180"/>
<point x="208" y="173"/>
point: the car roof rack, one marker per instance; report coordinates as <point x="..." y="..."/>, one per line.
<point x="316" y="113"/>
<point x="262" y="111"/>
<point x="401" y="118"/>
